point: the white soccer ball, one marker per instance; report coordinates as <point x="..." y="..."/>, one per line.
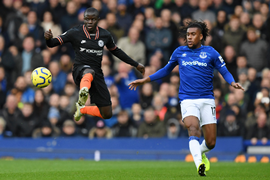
<point x="41" y="77"/>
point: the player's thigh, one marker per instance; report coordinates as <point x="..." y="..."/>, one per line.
<point x="190" y="113"/>
<point x="208" y="112"/>
<point x="99" y="93"/>
<point x="77" y="73"/>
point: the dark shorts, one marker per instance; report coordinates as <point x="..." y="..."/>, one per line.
<point x="99" y="93"/>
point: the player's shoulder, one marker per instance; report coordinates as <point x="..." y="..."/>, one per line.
<point x="73" y="30"/>
<point x="210" y="49"/>
<point x="181" y="48"/>
<point x="103" y="32"/>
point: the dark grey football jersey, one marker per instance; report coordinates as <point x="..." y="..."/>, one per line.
<point x="88" y="47"/>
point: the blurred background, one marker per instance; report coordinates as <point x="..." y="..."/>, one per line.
<point x="147" y="30"/>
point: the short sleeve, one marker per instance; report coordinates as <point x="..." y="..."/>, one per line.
<point x="110" y="43"/>
<point x="218" y="60"/>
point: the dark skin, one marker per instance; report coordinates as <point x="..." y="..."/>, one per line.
<point x="91" y="18"/>
<point x="194" y="38"/>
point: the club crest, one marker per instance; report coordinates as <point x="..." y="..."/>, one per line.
<point x="203" y="55"/>
<point x="100" y="43"/>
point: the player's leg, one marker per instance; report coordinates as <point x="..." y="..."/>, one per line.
<point x="209" y="128"/>
<point x="85" y="85"/>
<point x="101" y="97"/>
<point x="191" y="114"/>
<point x="192" y="124"/>
<point x="102" y="112"/>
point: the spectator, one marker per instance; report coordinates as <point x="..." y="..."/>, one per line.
<point x="100" y="131"/>
<point x="22" y="33"/>
<point x="14" y="21"/>
<point x="57" y="10"/>
<point x="69" y="129"/>
<point x="40" y="105"/>
<point x="146" y="96"/>
<point x="69" y="19"/>
<point x="11" y="114"/>
<point x="230" y="59"/>
<point x="203" y="13"/>
<point x="233" y="34"/>
<point x="71" y="92"/>
<point x="82" y="126"/>
<point x="65" y="63"/>
<point x="22" y="92"/>
<point x="259" y="131"/>
<point x="255" y="50"/>
<point x="36" y="30"/>
<point x="133" y="47"/>
<point x="48" y="23"/>
<point x="151" y="127"/>
<point x="2" y="127"/>
<point x="231" y="126"/>
<point x="159" y="38"/>
<point x="7" y="61"/>
<point x="136" y="114"/>
<point x="135" y="8"/>
<point x="150" y="16"/>
<point x="123" y="78"/>
<point x="253" y="87"/>
<point x="173" y="129"/>
<point x="159" y="106"/>
<point x="3" y="87"/>
<point x="47" y="56"/>
<point x="124" y="126"/>
<point x="58" y="77"/>
<point x="27" y="121"/>
<point x="56" y="115"/>
<point x="46" y="130"/>
<point x="28" y="59"/>
<point x="113" y="27"/>
<point x="245" y="20"/>
<point x="169" y="24"/>
<point x="124" y="18"/>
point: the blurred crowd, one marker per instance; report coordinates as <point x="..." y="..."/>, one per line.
<point x="147" y="30"/>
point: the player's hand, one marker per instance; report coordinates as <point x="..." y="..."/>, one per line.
<point x="138" y="82"/>
<point x="141" y="68"/>
<point x="48" y="34"/>
<point x="237" y="86"/>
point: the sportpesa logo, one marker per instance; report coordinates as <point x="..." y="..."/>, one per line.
<point x="98" y="52"/>
<point x="193" y="63"/>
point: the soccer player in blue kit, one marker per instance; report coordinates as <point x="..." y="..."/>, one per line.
<point x="196" y="66"/>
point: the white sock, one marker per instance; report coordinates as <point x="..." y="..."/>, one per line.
<point x="194" y="147"/>
<point x="204" y="148"/>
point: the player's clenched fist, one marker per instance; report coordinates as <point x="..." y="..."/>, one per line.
<point x="48" y="34"/>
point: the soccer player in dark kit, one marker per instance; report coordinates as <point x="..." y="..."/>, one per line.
<point x="88" y="41"/>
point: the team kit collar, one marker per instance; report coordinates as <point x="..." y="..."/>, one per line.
<point x="88" y="35"/>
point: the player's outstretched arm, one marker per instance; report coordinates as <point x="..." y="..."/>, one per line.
<point x="237" y="86"/>
<point x="138" y="82"/>
<point x="48" y="34"/>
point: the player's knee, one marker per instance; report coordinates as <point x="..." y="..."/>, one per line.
<point x="107" y="115"/>
<point x="194" y="131"/>
<point x="211" y="144"/>
<point x="86" y="71"/>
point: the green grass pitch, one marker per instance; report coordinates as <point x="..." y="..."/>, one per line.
<point x="125" y="170"/>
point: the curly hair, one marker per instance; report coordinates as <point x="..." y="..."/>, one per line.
<point x="201" y="25"/>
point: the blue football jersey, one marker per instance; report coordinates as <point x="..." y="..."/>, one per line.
<point x="196" y="68"/>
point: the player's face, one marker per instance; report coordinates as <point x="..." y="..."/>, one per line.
<point x="90" y="21"/>
<point x="194" y="37"/>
